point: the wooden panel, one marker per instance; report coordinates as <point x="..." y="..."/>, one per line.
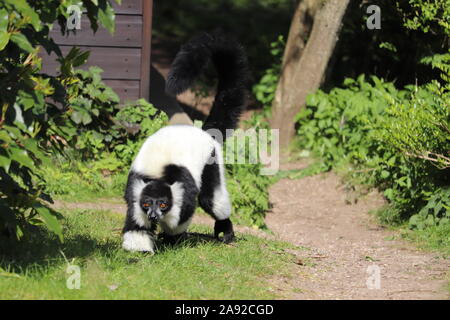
<point x="117" y="63"/>
<point x="128" y="7"/>
<point x="146" y="49"/>
<point x="128" y="33"/>
<point x="128" y="90"/>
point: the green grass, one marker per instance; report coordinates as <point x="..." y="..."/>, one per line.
<point x="433" y="238"/>
<point x="73" y="180"/>
<point x="76" y="183"/>
<point x="197" y="268"/>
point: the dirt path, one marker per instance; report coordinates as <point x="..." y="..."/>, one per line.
<point x="342" y="241"/>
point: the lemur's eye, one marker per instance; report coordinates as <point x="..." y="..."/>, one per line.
<point x="146" y="205"/>
<point x="163" y="205"/>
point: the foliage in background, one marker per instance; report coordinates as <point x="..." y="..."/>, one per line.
<point x="397" y="140"/>
<point x="29" y="121"/>
<point x="426" y="16"/>
<point x="264" y="89"/>
<point x="249" y="191"/>
<point x="79" y="181"/>
<point x="248" y="188"/>
<point x="391" y="139"/>
<point x="410" y="30"/>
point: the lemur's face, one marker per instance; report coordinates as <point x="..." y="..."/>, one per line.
<point x="156" y="199"/>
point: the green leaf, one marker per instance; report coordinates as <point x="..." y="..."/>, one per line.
<point x="4" y="19"/>
<point x="50" y="219"/>
<point x="22" y="42"/>
<point x="4" y="39"/>
<point x="80" y="59"/>
<point x="27" y="12"/>
<point x="21" y="157"/>
<point x="77" y="117"/>
<point x="5" y="136"/>
<point x="107" y="18"/>
<point x="385" y="174"/>
<point x="86" y="118"/>
<point x="5" y="162"/>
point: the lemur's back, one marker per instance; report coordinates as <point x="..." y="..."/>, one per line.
<point x="182" y="145"/>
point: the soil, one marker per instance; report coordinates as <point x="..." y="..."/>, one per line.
<point x="343" y="240"/>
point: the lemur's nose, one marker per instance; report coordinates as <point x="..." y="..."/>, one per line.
<point x="153" y="214"/>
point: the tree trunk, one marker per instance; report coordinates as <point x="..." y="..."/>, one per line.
<point x="304" y="65"/>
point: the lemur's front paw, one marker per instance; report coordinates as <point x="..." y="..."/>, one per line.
<point x="225" y="227"/>
<point x="138" y="241"/>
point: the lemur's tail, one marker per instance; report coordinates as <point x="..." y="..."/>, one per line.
<point x="230" y="61"/>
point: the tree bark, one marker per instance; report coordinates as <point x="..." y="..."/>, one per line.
<point x="304" y="65"/>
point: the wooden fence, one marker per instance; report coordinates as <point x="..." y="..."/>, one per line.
<point x="124" y="56"/>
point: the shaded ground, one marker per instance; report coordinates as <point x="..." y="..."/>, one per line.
<point x="342" y="241"/>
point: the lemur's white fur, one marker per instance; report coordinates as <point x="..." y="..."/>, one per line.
<point x="221" y="199"/>
<point x="138" y="241"/>
<point x="139" y="215"/>
<point x="182" y="145"/>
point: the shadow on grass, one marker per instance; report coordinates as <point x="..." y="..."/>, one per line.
<point x="41" y="249"/>
<point x="188" y="239"/>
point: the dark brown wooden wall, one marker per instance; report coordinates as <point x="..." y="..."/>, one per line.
<point x="124" y="56"/>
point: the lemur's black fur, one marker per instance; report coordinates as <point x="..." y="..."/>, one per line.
<point x="230" y="61"/>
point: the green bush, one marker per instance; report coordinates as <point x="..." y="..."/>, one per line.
<point x="396" y="140"/>
<point x="264" y="89"/>
<point x="79" y="181"/>
<point x="249" y="193"/>
<point x="426" y="16"/>
<point x="143" y="118"/>
<point x="33" y="104"/>
<point x="410" y="30"/>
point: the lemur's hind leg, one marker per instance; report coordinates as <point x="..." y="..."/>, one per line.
<point x="214" y="199"/>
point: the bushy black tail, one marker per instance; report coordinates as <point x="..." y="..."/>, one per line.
<point x="230" y="61"/>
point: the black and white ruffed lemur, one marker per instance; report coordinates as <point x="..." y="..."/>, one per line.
<point x="181" y="163"/>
